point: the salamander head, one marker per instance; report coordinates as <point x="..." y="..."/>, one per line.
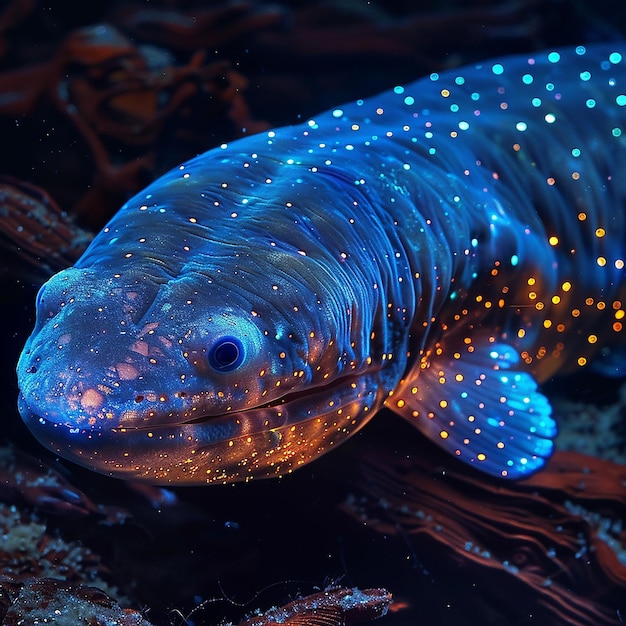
<point x="187" y="379"/>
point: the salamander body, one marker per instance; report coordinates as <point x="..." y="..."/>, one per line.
<point x="439" y="249"/>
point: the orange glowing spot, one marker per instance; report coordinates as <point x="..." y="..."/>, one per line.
<point x="91" y="399"/>
<point x="550" y="181"/>
<point x="125" y="371"/>
<point x="582" y="216"/>
<point x="617" y="327"/>
<point x="582" y="361"/>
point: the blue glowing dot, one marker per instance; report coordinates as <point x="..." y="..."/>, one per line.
<point x="463" y="125"/>
<point x="580" y="50"/>
<point x="409" y="100"/>
<point x="576" y="152"/>
<point x="536" y="102"/>
<point x="399" y="89"/>
<point x="616" y="132"/>
<point x="621" y="100"/>
<point x="434" y="76"/>
<point x="585" y="76"/>
<point x="550" y="118"/>
<point x="527" y="79"/>
<point x="337" y="113"/>
<point x="615" y="58"/>
<point x="360" y="102"/>
<point x="497" y="69"/>
<point x="590" y="102"/>
<point x="459" y="80"/>
<point x="549" y="86"/>
<point x="554" y="57"/>
<point x="431" y="150"/>
<point x="521" y="126"/>
<point x="514" y="260"/>
<point x="475" y="96"/>
<point x="454" y="108"/>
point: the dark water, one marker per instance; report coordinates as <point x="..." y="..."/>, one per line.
<point x="255" y="545"/>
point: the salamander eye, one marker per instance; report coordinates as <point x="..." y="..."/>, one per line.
<point x="226" y="354"/>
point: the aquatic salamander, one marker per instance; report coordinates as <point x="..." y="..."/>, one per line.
<point x="439" y="249"/>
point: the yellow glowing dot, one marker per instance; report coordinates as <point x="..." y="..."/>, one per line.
<point x="521" y="332"/>
<point x="443" y="434"/>
<point x="539" y="306"/>
<point x="600" y="232"/>
<point x="556" y="299"/>
<point x="553" y="241"/>
<point x="566" y="286"/>
<point x="582" y="216"/>
<point x="445" y="93"/>
<point x="547" y="323"/>
<point x="619" y="264"/>
<point x="601" y="261"/>
<point x="532" y="295"/>
<point x="400" y="403"/>
<point x="443" y="404"/>
<point x="481" y="457"/>
<point x="531" y="281"/>
<point x="458" y="378"/>
<point x="582" y="361"/>
<point x="619" y="315"/>
<point x="500" y="444"/>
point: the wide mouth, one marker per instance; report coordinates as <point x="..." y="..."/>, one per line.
<point x="266" y="440"/>
<point x="299" y="395"/>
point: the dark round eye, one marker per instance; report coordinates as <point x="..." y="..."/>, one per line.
<point x="226" y="354"/>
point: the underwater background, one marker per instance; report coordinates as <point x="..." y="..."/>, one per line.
<point x="96" y="100"/>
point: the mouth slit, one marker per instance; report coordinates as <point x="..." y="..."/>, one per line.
<point x="278" y="402"/>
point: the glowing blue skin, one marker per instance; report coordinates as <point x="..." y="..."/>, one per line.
<point x="437" y="249"/>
